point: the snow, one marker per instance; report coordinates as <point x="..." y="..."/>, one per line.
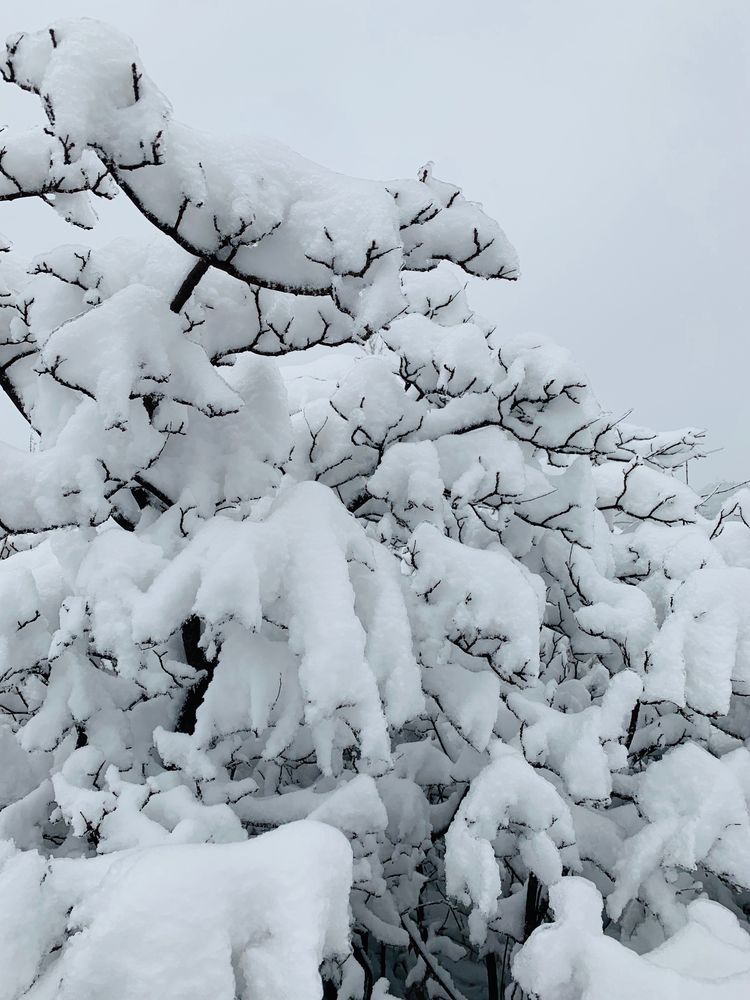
<point x="702" y="651"/>
<point x="326" y="661"/>
<point x="579" y="745"/>
<point x="137" y="347"/>
<point x="644" y="493"/>
<point x="458" y="586"/>
<point x="507" y="793"/>
<point x="256" y="207"/>
<point x="662" y="449"/>
<point x="236" y="920"/>
<point x="33" y="162"/>
<point x="708" y="959"/>
<point x="337" y="627"/>
<point x="696" y="814"/>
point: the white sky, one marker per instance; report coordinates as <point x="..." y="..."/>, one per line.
<point x="609" y="139"/>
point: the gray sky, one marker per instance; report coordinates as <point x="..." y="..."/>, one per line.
<point x="610" y="140"/>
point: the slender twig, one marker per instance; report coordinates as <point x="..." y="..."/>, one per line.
<point x="431" y="965"/>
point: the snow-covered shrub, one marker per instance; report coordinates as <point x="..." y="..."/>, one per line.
<point x="344" y="642"/>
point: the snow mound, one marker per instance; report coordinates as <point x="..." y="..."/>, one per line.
<point x="230" y="921"/>
<point x="571" y="959"/>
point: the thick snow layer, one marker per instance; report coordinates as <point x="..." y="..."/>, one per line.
<point x="313" y="565"/>
<point x="702" y="651"/>
<point x="460" y="587"/>
<point x="697" y="814"/>
<point x="248" y="921"/>
<point x="34" y="163"/>
<point x="257" y="209"/>
<point x="133" y="345"/>
<point x="508" y="793"/>
<point x="571" y="959"/>
<point x="579" y="746"/>
<point x="644" y="493"/>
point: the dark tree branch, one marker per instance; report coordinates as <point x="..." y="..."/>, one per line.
<point x="189" y="285"/>
<point x="490" y="964"/>
<point x="431" y="965"/>
<point x="534" y="910"/>
<point x="632" y="726"/>
<point x="364" y="962"/>
<point x="12" y="393"/>
<point x="197" y="659"/>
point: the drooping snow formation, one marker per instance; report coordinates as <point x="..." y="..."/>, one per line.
<point x="346" y="644"/>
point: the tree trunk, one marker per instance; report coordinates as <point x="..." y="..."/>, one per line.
<point x="196" y="658"/>
<point x="534" y="907"/>
<point x="490" y="963"/>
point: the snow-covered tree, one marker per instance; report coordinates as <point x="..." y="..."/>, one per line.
<point x="346" y="644"/>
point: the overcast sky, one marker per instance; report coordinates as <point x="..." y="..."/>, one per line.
<point x="609" y="139"/>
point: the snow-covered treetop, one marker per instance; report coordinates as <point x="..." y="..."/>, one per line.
<point x="253" y="209"/>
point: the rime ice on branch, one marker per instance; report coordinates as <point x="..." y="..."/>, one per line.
<point x="307" y="546"/>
